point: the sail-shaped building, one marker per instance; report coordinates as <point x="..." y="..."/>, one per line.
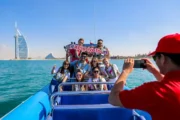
<point x="21" y="48"/>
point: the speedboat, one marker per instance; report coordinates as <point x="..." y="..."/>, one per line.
<point x="77" y="105"/>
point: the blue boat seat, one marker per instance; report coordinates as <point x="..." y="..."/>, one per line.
<point x="84" y="99"/>
<point x="92" y="112"/>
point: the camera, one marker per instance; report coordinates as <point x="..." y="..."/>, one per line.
<point x="139" y="63"/>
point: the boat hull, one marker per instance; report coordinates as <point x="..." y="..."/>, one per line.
<point x="38" y="106"/>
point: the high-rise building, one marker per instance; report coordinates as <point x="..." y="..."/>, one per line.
<point x="21" y="48"/>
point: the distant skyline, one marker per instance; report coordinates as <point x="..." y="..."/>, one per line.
<point x="127" y="27"/>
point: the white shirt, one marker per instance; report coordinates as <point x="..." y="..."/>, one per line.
<point x="96" y="80"/>
<point x="110" y="72"/>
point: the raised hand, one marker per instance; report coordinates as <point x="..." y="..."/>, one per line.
<point x="128" y="65"/>
<point x="150" y="66"/>
<point x="54" y="67"/>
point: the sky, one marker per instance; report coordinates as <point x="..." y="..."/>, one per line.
<point x="128" y="27"/>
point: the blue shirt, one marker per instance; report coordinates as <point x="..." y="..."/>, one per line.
<point x="78" y="65"/>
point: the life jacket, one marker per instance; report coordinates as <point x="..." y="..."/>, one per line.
<point x="80" y="66"/>
<point x="112" y="73"/>
<point x="78" y="87"/>
<point x="101" y="55"/>
<point x="59" y="76"/>
<point x="97" y="86"/>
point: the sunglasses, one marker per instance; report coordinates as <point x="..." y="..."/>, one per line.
<point x="100" y="43"/>
<point x="96" y="71"/>
<point x="78" y="75"/>
<point x="83" y="56"/>
<point x="154" y="57"/>
<point x="94" y="61"/>
<point x="66" y="64"/>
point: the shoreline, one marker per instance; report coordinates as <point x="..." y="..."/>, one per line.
<point x="28" y="59"/>
<point x="136" y="58"/>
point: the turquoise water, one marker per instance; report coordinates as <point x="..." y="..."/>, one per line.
<point x="21" y="79"/>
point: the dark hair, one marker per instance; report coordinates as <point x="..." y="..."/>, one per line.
<point x="62" y="67"/>
<point x="84" y="53"/>
<point x="95" y="68"/>
<point x="100" y="40"/>
<point x="81" y="74"/>
<point x="92" y="61"/>
<point x="175" y="58"/>
<point x="80" y="39"/>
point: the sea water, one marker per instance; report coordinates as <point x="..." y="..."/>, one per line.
<point x="19" y="79"/>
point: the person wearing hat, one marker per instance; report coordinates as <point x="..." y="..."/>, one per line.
<point x="161" y="98"/>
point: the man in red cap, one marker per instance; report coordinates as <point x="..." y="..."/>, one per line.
<point x="160" y="98"/>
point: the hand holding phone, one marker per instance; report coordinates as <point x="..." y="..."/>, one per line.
<point x="139" y="63"/>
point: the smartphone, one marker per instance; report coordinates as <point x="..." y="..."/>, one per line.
<point x="139" y="64"/>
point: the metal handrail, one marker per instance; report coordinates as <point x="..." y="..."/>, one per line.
<point x="82" y="83"/>
<point x="74" y="93"/>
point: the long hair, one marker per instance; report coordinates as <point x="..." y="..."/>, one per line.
<point x="82" y="79"/>
<point x="96" y="68"/>
<point x="94" y="58"/>
<point x="61" y="70"/>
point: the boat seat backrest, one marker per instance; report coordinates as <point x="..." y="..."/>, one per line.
<point x="91" y="112"/>
<point x="84" y="99"/>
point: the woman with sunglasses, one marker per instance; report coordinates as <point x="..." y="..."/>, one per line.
<point x="62" y="74"/>
<point x="96" y="78"/>
<point x="79" y="78"/>
<point x="94" y="63"/>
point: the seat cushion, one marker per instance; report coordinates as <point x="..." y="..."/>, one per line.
<point x="91" y="112"/>
<point x="84" y="99"/>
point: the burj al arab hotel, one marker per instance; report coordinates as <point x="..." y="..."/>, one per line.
<point x="21" y="48"/>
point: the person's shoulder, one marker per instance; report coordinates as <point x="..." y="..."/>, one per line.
<point x="148" y="87"/>
<point x="74" y="62"/>
<point x="87" y="64"/>
<point x="72" y="50"/>
<point x="90" y="80"/>
<point x="150" y="84"/>
<point x="114" y="65"/>
<point x="58" y="68"/>
<point x="102" y="79"/>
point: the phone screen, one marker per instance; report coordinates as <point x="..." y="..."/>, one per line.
<point x="139" y="64"/>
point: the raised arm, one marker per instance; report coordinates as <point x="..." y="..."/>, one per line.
<point x="76" y="54"/>
<point x="152" y="69"/>
<point x="119" y="84"/>
<point x="53" y="71"/>
<point x="108" y="53"/>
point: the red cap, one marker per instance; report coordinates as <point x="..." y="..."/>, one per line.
<point x="168" y="44"/>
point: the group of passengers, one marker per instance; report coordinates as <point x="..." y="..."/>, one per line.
<point x="160" y="98"/>
<point x="85" y="67"/>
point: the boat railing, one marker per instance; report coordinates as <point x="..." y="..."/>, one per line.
<point x="75" y="93"/>
<point x="82" y="83"/>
